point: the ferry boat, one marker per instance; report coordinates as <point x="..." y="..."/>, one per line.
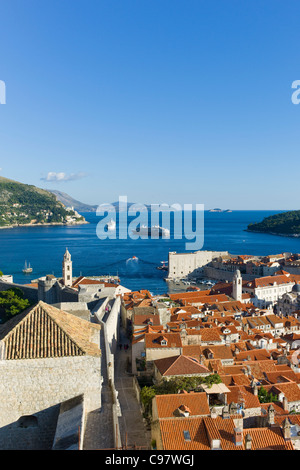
<point x="154" y="230"/>
<point x="27" y="268"/>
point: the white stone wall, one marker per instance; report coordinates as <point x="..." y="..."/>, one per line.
<point x="112" y="325"/>
<point x="182" y="264"/>
<point x="152" y="354"/>
<point x="30" y="386"/>
<point x="269" y="295"/>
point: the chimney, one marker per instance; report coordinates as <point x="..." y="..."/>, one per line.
<point x="225" y="412"/>
<point x="248" y="442"/>
<point x="285" y="404"/>
<point x="286" y="429"/>
<point x="271" y="415"/>
<point x="238" y="436"/>
<point x="254" y="388"/>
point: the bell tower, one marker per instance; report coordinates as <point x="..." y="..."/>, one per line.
<point x="237" y="286"/>
<point x="67" y="269"/>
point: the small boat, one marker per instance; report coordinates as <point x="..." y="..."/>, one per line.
<point x="111" y="225"/>
<point x="27" y="268"/>
<point x="163" y="267"/>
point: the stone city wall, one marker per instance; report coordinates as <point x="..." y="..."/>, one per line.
<point x="184" y="264"/>
<point x="33" y="385"/>
<point x="30" y="293"/>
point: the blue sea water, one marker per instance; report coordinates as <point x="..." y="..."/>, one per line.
<point x="44" y="247"/>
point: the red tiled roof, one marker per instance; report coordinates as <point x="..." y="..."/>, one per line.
<point x="153" y="340"/>
<point x="179" y="365"/>
<point x="140" y="320"/>
<point x="203" y="430"/>
<point x="243" y="394"/>
<point x="197" y="404"/>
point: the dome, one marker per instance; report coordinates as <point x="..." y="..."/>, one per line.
<point x="296" y="288"/>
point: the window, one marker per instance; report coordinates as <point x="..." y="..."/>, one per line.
<point x="186" y="435"/>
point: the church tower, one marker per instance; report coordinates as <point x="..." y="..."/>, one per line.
<point x="237" y="286"/>
<point x="67" y="269"/>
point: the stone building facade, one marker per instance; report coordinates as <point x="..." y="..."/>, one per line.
<point x="191" y="264"/>
<point x="47" y="357"/>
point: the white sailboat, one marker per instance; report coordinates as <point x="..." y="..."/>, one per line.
<point x="27" y="268"/>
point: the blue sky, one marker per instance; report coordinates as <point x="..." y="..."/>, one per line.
<point x="164" y="101"/>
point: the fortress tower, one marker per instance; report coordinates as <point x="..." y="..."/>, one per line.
<point x="237" y="286"/>
<point x="67" y="269"/>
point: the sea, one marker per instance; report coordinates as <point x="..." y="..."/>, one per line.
<point x="135" y="261"/>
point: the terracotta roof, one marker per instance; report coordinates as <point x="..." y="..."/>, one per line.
<point x="44" y="331"/>
<point x="139" y="335"/>
<point x="193" y="350"/>
<point x="179" y="365"/>
<point x="210" y="335"/>
<point x="243" y="394"/>
<point x="189" y="309"/>
<point x="155" y="340"/>
<point x="219" y="351"/>
<point x="205" y="299"/>
<point x="239" y="379"/>
<point x="290" y="390"/>
<point x="258" y="368"/>
<point x="173" y="437"/>
<point x="167" y="405"/>
<point x="188" y="295"/>
<point x="278" y="407"/>
<point x="146" y="320"/>
<point x="268" y="439"/>
<point x="202" y="430"/>
<point x="269" y="281"/>
<point x="253" y="354"/>
<point x="282" y="376"/>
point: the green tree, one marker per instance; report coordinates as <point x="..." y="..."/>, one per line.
<point x="12" y="302"/>
<point x="266" y="397"/>
<point x="174" y="385"/>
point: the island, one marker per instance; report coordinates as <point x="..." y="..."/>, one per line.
<point x="285" y="224"/>
<point x="26" y="205"/>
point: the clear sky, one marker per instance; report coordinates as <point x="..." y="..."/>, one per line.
<point x="175" y="101"/>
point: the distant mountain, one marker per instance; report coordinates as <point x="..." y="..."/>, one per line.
<point x="24" y="204"/>
<point x="285" y="223"/>
<point x="68" y="201"/>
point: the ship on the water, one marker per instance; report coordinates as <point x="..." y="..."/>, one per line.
<point x="153" y="231"/>
<point x="27" y="268"/>
<point x="111" y="226"/>
<point x="164" y="266"/>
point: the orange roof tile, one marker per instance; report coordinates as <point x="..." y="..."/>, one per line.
<point x="155" y="340"/>
<point x="168" y="404"/>
<point x="179" y="365"/>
